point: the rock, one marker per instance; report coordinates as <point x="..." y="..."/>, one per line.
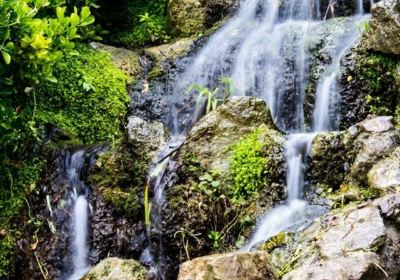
<point x="152" y="136"/>
<point x="117" y="269"/>
<point x="389" y="206"/>
<point x="214" y="133"/>
<point x="385" y="175"/>
<point x="124" y="59"/>
<point x="374" y="146"/>
<point x="378" y="124"/>
<point x="384" y="32"/>
<point x="230" y="266"/>
<point x="355" y="266"/>
<point x="191" y="17"/>
<point x="361" y="229"/>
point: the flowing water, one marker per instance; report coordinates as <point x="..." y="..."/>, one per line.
<point x="264" y="48"/>
<point x="75" y="167"/>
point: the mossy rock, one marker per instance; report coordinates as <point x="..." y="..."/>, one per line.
<point x="117" y="269"/>
<point x="120" y="175"/>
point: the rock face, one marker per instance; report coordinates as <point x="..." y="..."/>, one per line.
<point x="117" y="269"/>
<point x="384" y="33"/>
<point x="343" y="246"/>
<point x="233" y="266"/>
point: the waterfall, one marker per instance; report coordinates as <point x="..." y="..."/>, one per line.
<point x="264" y="49"/>
<point x="74" y="165"/>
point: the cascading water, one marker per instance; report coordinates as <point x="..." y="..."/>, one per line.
<point x="75" y="166"/>
<point x="264" y="49"/>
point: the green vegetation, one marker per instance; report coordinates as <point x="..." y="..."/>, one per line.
<point x="88" y="101"/>
<point x="213" y="97"/>
<point x="379" y="74"/>
<point x="249" y="165"/>
<point x="135" y="23"/>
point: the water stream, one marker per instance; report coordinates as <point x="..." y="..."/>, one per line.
<point x="264" y="49"/>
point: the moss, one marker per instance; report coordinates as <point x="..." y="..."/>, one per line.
<point x="89" y="101"/>
<point x="251" y="169"/>
<point x="278" y="240"/>
<point x="18" y="180"/>
<point x="120" y="176"/>
<point x="379" y="75"/>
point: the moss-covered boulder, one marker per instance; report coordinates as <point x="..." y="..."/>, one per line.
<point x="192" y="17"/>
<point x="231" y="169"/>
<point x="234" y="266"/>
<point x="117" y="269"/>
<point x="384" y="29"/>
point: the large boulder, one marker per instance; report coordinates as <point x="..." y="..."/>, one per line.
<point x="384" y="31"/>
<point x="117" y="269"/>
<point x="213" y="134"/>
<point x="231" y="266"/>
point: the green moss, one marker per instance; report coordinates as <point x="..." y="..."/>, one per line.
<point x="18" y="180"/>
<point x="379" y="74"/>
<point x="88" y="101"/>
<point x="249" y="168"/>
<point x="278" y="240"/>
<point x="120" y="176"/>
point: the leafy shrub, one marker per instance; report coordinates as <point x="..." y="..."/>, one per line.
<point x="89" y="99"/>
<point x="248" y="166"/>
<point x="135" y="23"/>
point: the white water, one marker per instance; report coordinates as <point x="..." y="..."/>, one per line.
<point x="80" y="216"/>
<point x="80" y="224"/>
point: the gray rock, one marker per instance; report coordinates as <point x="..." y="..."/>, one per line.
<point x="385" y="175"/>
<point x="390" y="207"/>
<point x="378" y="124"/>
<point x="152" y="136"/>
<point x="374" y="146"/>
<point x="232" y="266"/>
<point x="361" y="229"/>
<point x="117" y="269"/>
<point x="354" y="266"/>
<point x="384" y="31"/>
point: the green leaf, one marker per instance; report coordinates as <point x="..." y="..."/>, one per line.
<point x="6" y="56"/>
<point x="85" y="13"/>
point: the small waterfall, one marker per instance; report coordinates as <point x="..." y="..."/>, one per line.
<point x="76" y="164"/>
<point x="326" y="111"/>
<point x="80" y="250"/>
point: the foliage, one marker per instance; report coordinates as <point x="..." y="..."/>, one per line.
<point x="215" y="237"/>
<point x="89" y="99"/>
<point x="248" y="165"/>
<point x="135" y="23"/>
<point x="17" y="181"/>
<point x="378" y="73"/>
<point x="213" y="97"/>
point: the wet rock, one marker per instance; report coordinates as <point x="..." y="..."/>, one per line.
<point x="385" y="175"/>
<point x="213" y="134"/>
<point x="354" y="266"/>
<point x="117" y="269"/>
<point x="234" y="266"/>
<point x="150" y="136"/>
<point x="384" y="32"/>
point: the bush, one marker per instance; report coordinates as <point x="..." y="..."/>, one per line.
<point x="134" y="23"/>
<point x="89" y="99"/>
